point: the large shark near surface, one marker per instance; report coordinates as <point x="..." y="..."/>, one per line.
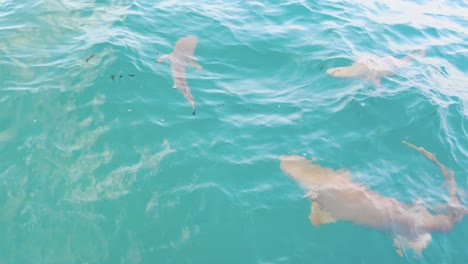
<point x="180" y="58"/>
<point x="373" y="69"/>
<point x="336" y="197"/>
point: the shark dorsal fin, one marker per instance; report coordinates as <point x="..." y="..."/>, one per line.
<point x="319" y="215"/>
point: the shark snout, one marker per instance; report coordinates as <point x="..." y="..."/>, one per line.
<point x="332" y="71"/>
<point x="288" y="159"/>
<point x="349" y="71"/>
<point x="289" y="164"/>
<point x="354" y="70"/>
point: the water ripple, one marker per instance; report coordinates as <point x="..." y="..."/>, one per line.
<point x="82" y="158"/>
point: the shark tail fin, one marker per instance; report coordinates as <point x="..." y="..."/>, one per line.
<point x="416" y="55"/>
<point x="448" y="174"/>
<point x="319" y="215"/>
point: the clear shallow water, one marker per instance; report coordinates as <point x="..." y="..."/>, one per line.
<point x="100" y="171"/>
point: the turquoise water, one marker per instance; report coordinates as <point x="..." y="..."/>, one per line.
<point x="95" y="170"/>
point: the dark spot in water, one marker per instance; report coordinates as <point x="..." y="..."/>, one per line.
<point x="193" y="113"/>
<point x="90" y="57"/>
<point x="131" y="75"/>
<point x="121" y="76"/>
<point x="321" y="67"/>
<point x="112" y="77"/>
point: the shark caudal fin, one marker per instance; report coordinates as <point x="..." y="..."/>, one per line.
<point x="447" y="173"/>
<point x="413" y="56"/>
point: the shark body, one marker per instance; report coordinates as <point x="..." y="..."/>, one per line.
<point x="336" y="197"/>
<point x="181" y="57"/>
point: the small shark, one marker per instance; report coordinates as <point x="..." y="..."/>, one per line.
<point x="180" y="58"/>
<point x="335" y="196"/>
<point x="373" y="69"/>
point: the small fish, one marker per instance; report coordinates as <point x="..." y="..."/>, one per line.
<point x="90" y="57"/>
<point x="120" y="75"/>
<point x="113" y="77"/>
<point x="131" y="75"/>
<point x="321" y="67"/>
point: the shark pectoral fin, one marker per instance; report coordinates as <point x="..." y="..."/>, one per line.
<point x="195" y="65"/>
<point x="164" y="57"/>
<point x="377" y="82"/>
<point x="397" y="244"/>
<point x="417" y="244"/>
<point x="420" y="243"/>
<point x="319" y="215"/>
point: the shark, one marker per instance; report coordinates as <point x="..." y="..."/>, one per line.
<point x="336" y="197"/>
<point x="180" y="58"/>
<point x="373" y="69"/>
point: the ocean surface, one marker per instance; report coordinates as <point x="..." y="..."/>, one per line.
<point x="101" y="161"/>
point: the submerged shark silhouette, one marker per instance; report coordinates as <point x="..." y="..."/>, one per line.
<point x="180" y="58"/>
<point x="335" y="196"/>
<point x="373" y="69"/>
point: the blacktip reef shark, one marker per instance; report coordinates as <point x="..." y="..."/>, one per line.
<point x="180" y="58"/>
<point x="374" y="69"/>
<point x="335" y="196"/>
